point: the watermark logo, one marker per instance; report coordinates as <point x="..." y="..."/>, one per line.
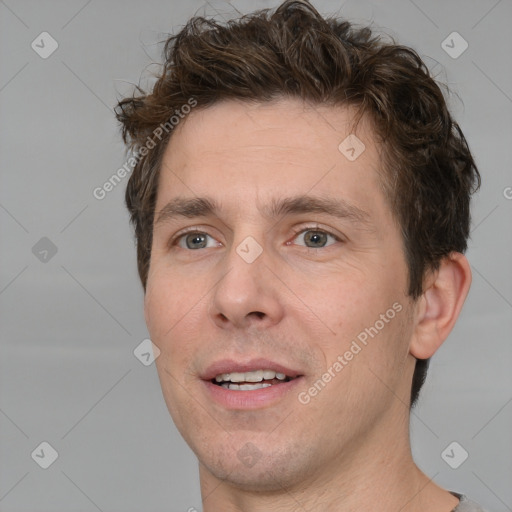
<point x="454" y="455"/>
<point x="249" y="249"/>
<point x="44" y="250"/>
<point x="249" y="455"/>
<point x="44" y="455"/>
<point x="146" y="352"/>
<point x="44" y="45"/>
<point x="352" y="147"/>
<point x="454" y="45"/>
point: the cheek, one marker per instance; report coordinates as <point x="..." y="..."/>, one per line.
<point x="350" y="301"/>
<point x="169" y="307"/>
<point x="158" y="307"/>
<point x="166" y="300"/>
<point x="368" y="317"/>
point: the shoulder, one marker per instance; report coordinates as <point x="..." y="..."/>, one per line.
<point x="466" y="505"/>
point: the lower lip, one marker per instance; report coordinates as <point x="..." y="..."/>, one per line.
<point x="252" y="399"/>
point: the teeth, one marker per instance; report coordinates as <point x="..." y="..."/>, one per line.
<point x="269" y="375"/>
<point x="245" y="387"/>
<point x="255" y="376"/>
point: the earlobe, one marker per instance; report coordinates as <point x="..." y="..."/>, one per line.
<point x="440" y="305"/>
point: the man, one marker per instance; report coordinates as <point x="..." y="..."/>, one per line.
<point x="300" y="198"/>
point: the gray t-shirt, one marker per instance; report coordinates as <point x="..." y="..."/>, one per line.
<point x="466" y="505"/>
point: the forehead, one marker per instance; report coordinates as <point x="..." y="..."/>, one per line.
<point x="243" y="151"/>
<point x="286" y="125"/>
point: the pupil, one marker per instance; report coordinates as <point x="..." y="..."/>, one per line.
<point x="201" y="239"/>
<point x="316" y="237"/>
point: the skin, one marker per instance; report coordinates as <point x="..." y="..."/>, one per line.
<point x="348" y="448"/>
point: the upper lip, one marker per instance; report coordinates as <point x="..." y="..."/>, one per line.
<point x="232" y="366"/>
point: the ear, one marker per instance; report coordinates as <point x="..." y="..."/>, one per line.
<point x="439" y="306"/>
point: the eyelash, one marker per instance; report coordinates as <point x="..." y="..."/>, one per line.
<point x="194" y="230"/>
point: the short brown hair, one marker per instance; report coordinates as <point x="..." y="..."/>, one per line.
<point x="294" y="52"/>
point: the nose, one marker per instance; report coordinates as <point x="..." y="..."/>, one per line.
<point x="248" y="293"/>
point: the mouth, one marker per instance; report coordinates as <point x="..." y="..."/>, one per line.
<point x="254" y="384"/>
<point x="249" y="381"/>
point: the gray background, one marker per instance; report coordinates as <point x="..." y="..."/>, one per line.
<point x="70" y="323"/>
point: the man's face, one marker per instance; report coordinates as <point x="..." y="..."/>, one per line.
<point x="215" y="305"/>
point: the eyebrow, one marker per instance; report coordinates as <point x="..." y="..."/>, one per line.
<point x="205" y="207"/>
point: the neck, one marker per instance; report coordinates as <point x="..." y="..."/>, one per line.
<point x="369" y="475"/>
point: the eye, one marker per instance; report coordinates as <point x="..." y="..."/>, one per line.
<point x="312" y="238"/>
<point x="194" y="240"/>
<point x="315" y="238"/>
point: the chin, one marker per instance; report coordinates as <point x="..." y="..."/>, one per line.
<point x="251" y="470"/>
